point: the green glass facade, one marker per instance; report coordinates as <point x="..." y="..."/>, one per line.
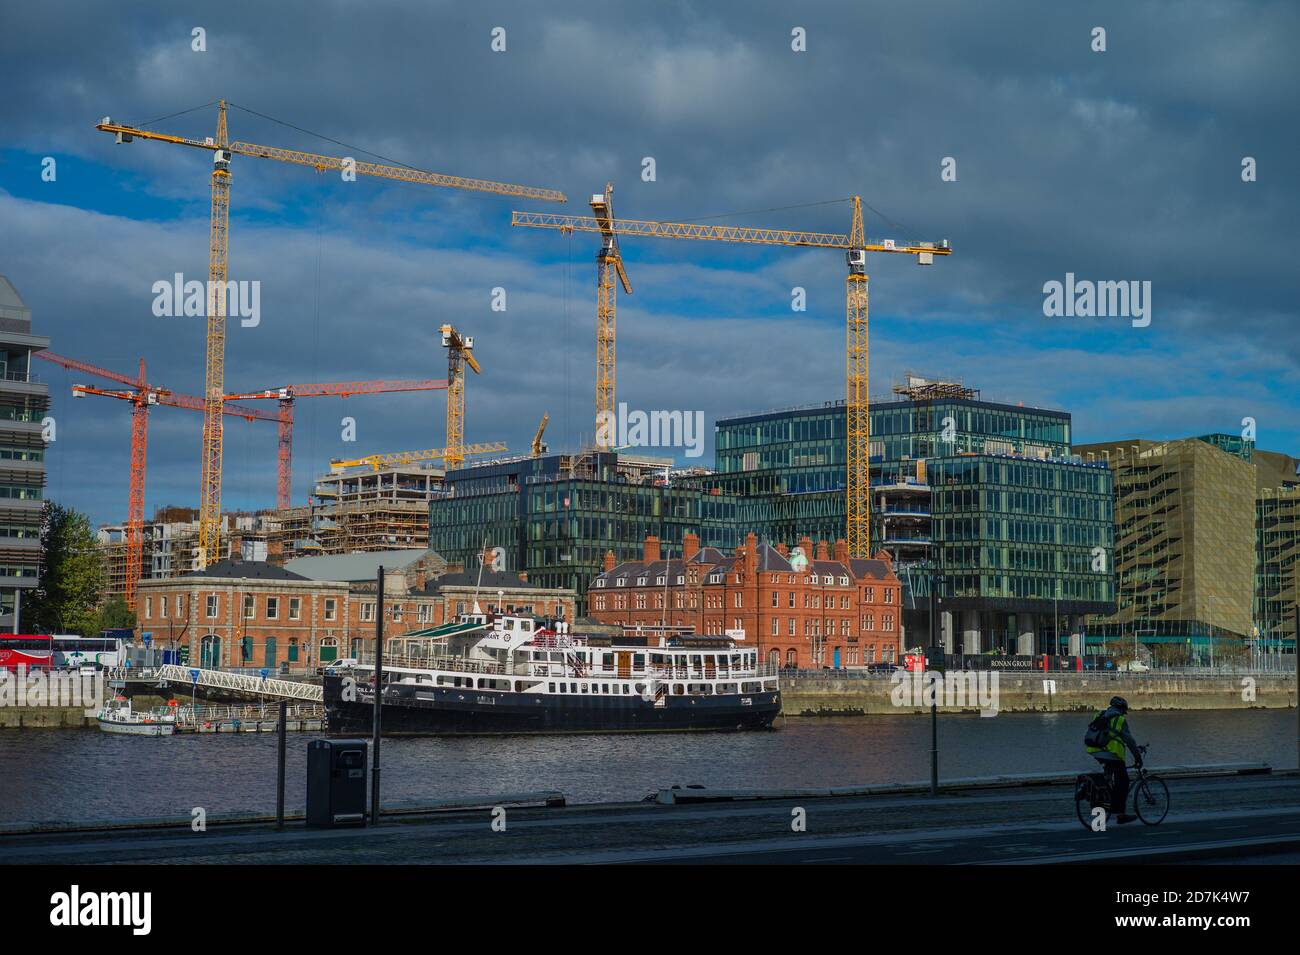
<point x="557" y="526"/>
<point x="1016" y="523"/>
<point x="1023" y="529"/>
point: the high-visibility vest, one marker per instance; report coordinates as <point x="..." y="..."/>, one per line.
<point x="1115" y="745"/>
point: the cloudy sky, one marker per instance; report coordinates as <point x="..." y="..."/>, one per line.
<point x="1117" y="165"/>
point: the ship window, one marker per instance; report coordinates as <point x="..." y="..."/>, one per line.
<point x="678" y="689"/>
<point x="604" y="688"/>
<point x="640" y="689"/>
<point x="638" y="660"/>
<point x="563" y="688"/>
<point x="557" y="657"/>
<point x="584" y="688"/>
<point x="697" y="689"/>
<point x="550" y="687"/>
<point x="608" y="660"/>
<point x="727" y="687"/>
<point x="573" y="688"/>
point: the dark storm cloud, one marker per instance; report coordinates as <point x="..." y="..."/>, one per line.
<point x="1115" y="165"/>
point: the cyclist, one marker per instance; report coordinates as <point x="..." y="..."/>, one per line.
<point x="1108" y="735"/>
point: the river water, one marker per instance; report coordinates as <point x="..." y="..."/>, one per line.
<point x="87" y="775"/>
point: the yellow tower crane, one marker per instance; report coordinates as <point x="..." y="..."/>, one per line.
<point x="609" y="263"/>
<point x="399" y="458"/>
<point x="218" y="244"/>
<point x="538" y="448"/>
<point x="858" y="477"/>
<point x="460" y="352"/>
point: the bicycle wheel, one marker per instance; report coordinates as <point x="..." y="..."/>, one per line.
<point x="1083" y="797"/>
<point x="1151" y="800"/>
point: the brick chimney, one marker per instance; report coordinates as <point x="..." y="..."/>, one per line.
<point x="783" y="550"/>
<point x="823" y="550"/>
<point x="609" y="561"/>
<point x="842" y="551"/>
<point x="690" y="545"/>
<point x="651" y="548"/>
<point x="751" y="555"/>
<point x="806" y="543"/>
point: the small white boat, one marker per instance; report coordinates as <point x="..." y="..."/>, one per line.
<point x="118" y="717"/>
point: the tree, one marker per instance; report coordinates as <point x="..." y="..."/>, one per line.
<point x="72" y="574"/>
<point x="115" y="615"/>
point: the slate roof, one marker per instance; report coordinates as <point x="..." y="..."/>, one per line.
<point x="236" y="569"/>
<point x="769" y="560"/>
<point x="492" y="580"/>
<point x="354" y="567"/>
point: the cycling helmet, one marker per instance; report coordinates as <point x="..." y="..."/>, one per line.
<point x="1119" y="703"/>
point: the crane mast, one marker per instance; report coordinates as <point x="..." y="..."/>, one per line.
<point x="218" y="244"/>
<point x="214" y="381"/>
<point x="858" y="421"/>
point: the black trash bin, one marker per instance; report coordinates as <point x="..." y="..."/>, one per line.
<point x="336" y="782"/>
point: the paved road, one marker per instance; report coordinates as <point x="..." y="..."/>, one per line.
<point x="1247" y="817"/>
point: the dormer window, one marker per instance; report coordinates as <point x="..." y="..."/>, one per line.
<point x="621" y="582"/>
<point x="640" y="581"/>
<point x="680" y="579"/>
<point x="844" y="581"/>
<point x="715" y="578"/>
<point x="661" y="580"/>
<point x="600" y="581"/>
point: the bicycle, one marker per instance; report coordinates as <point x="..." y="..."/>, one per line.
<point x="1150" y="795"/>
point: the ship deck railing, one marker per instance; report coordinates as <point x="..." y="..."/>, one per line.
<point x="567" y="671"/>
<point x="420" y="661"/>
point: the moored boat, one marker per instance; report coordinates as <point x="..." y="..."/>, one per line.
<point x="487" y="674"/>
<point x="119" y="717"/>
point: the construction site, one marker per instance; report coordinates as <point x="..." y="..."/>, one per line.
<point x="382" y="501"/>
<point x="862" y="471"/>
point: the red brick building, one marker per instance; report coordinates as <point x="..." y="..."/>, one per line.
<point x="808" y="608"/>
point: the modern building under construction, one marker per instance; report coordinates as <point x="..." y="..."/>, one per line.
<point x="352" y="510"/>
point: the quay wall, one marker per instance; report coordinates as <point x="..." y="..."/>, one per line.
<point x="1025" y="693"/>
<point x="44" y="717"/>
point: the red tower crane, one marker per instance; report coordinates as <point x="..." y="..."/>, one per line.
<point x="341" y="389"/>
<point x="142" y="396"/>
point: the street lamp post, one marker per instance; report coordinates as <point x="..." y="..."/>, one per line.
<point x="936" y="578"/>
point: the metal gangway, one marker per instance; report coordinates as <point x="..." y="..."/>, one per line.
<point x="222" y="680"/>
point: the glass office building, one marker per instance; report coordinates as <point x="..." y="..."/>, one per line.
<point x="987" y="490"/>
<point x="555" y="516"/>
<point x="990" y="492"/>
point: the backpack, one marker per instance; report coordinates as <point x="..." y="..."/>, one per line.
<point x="1099" y="732"/>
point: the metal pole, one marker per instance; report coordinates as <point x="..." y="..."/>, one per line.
<point x="934" y="697"/>
<point x="279" y="782"/>
<point x="379" y="694"/>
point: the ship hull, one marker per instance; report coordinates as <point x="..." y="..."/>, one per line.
<point x="460" y="712"/>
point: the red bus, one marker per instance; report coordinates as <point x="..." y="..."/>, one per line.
<point x="35" y="651"/>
